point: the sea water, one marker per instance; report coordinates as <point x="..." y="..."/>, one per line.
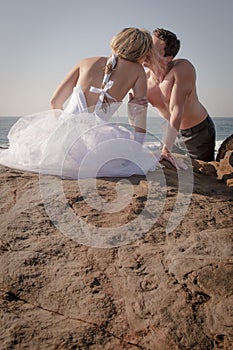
<point x="156" y="128"/>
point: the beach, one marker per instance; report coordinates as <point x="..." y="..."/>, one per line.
<point x="164" y="289"/>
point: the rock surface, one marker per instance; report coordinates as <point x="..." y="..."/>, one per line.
<point x="162" y="291"/>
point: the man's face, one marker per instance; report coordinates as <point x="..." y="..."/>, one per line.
<point x="159" y="47"/>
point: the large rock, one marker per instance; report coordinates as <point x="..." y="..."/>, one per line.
<point x="164" y="290"/>
<point x="222" y="170"/>
<point x="225" y="168"/>
<point x="226" y="145"/>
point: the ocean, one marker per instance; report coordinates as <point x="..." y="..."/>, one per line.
<point x="156" y="126"/>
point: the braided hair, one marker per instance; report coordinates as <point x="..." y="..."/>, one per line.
<point x="110" y="65"/>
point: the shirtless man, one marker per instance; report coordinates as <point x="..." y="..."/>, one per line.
<point x="172" y="90"/>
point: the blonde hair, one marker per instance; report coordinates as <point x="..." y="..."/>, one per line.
<point x="131" y="44"/>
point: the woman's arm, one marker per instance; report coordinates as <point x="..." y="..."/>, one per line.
<point x="64" y="89"/>
<point x="138" y="111"/>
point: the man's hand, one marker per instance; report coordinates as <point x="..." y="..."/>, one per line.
<point x="166" y="155"/>
<point x="142" y="101"/>
<point x="137" y="107"/>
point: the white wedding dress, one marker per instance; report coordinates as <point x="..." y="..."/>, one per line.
<point x="75" y="143"/>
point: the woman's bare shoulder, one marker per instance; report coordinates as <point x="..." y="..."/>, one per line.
<point x="89" y="61"/>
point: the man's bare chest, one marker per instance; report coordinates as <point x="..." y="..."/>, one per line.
<point x="159" y="94"/>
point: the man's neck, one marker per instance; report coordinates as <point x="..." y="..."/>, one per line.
<point x="161" y="74"/>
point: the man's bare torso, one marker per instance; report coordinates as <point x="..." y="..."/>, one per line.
<point x="182" y="74"/>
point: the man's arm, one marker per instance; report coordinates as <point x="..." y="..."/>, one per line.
<point x="183" y="83"/>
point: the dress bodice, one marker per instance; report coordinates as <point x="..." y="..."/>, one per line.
<point x="77" y="103"/>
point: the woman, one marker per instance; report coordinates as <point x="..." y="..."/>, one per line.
<point x="77" y="141"/>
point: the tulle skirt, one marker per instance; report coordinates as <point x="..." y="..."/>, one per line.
<point x="75" y="146"/>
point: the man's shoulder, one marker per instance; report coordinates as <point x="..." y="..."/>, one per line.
<point x="183" y="69"/>
<point x="183" y="72"/>
<point x="182" y="62"/>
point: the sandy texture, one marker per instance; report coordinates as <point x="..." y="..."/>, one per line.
<point x="162" y="291"/>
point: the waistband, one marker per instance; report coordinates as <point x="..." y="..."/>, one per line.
<point x="197" y="127"/>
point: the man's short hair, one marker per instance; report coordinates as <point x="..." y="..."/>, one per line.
<point x="172" y="43"/>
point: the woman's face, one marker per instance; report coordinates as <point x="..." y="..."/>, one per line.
<point x="147" y="62"/>
<point x="142" y="59"/>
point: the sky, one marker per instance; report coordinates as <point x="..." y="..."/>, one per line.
<point x="41" y="41"/>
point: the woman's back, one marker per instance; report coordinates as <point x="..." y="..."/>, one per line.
<point x="125" y="76"/>
<point x="130" y="48"/>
